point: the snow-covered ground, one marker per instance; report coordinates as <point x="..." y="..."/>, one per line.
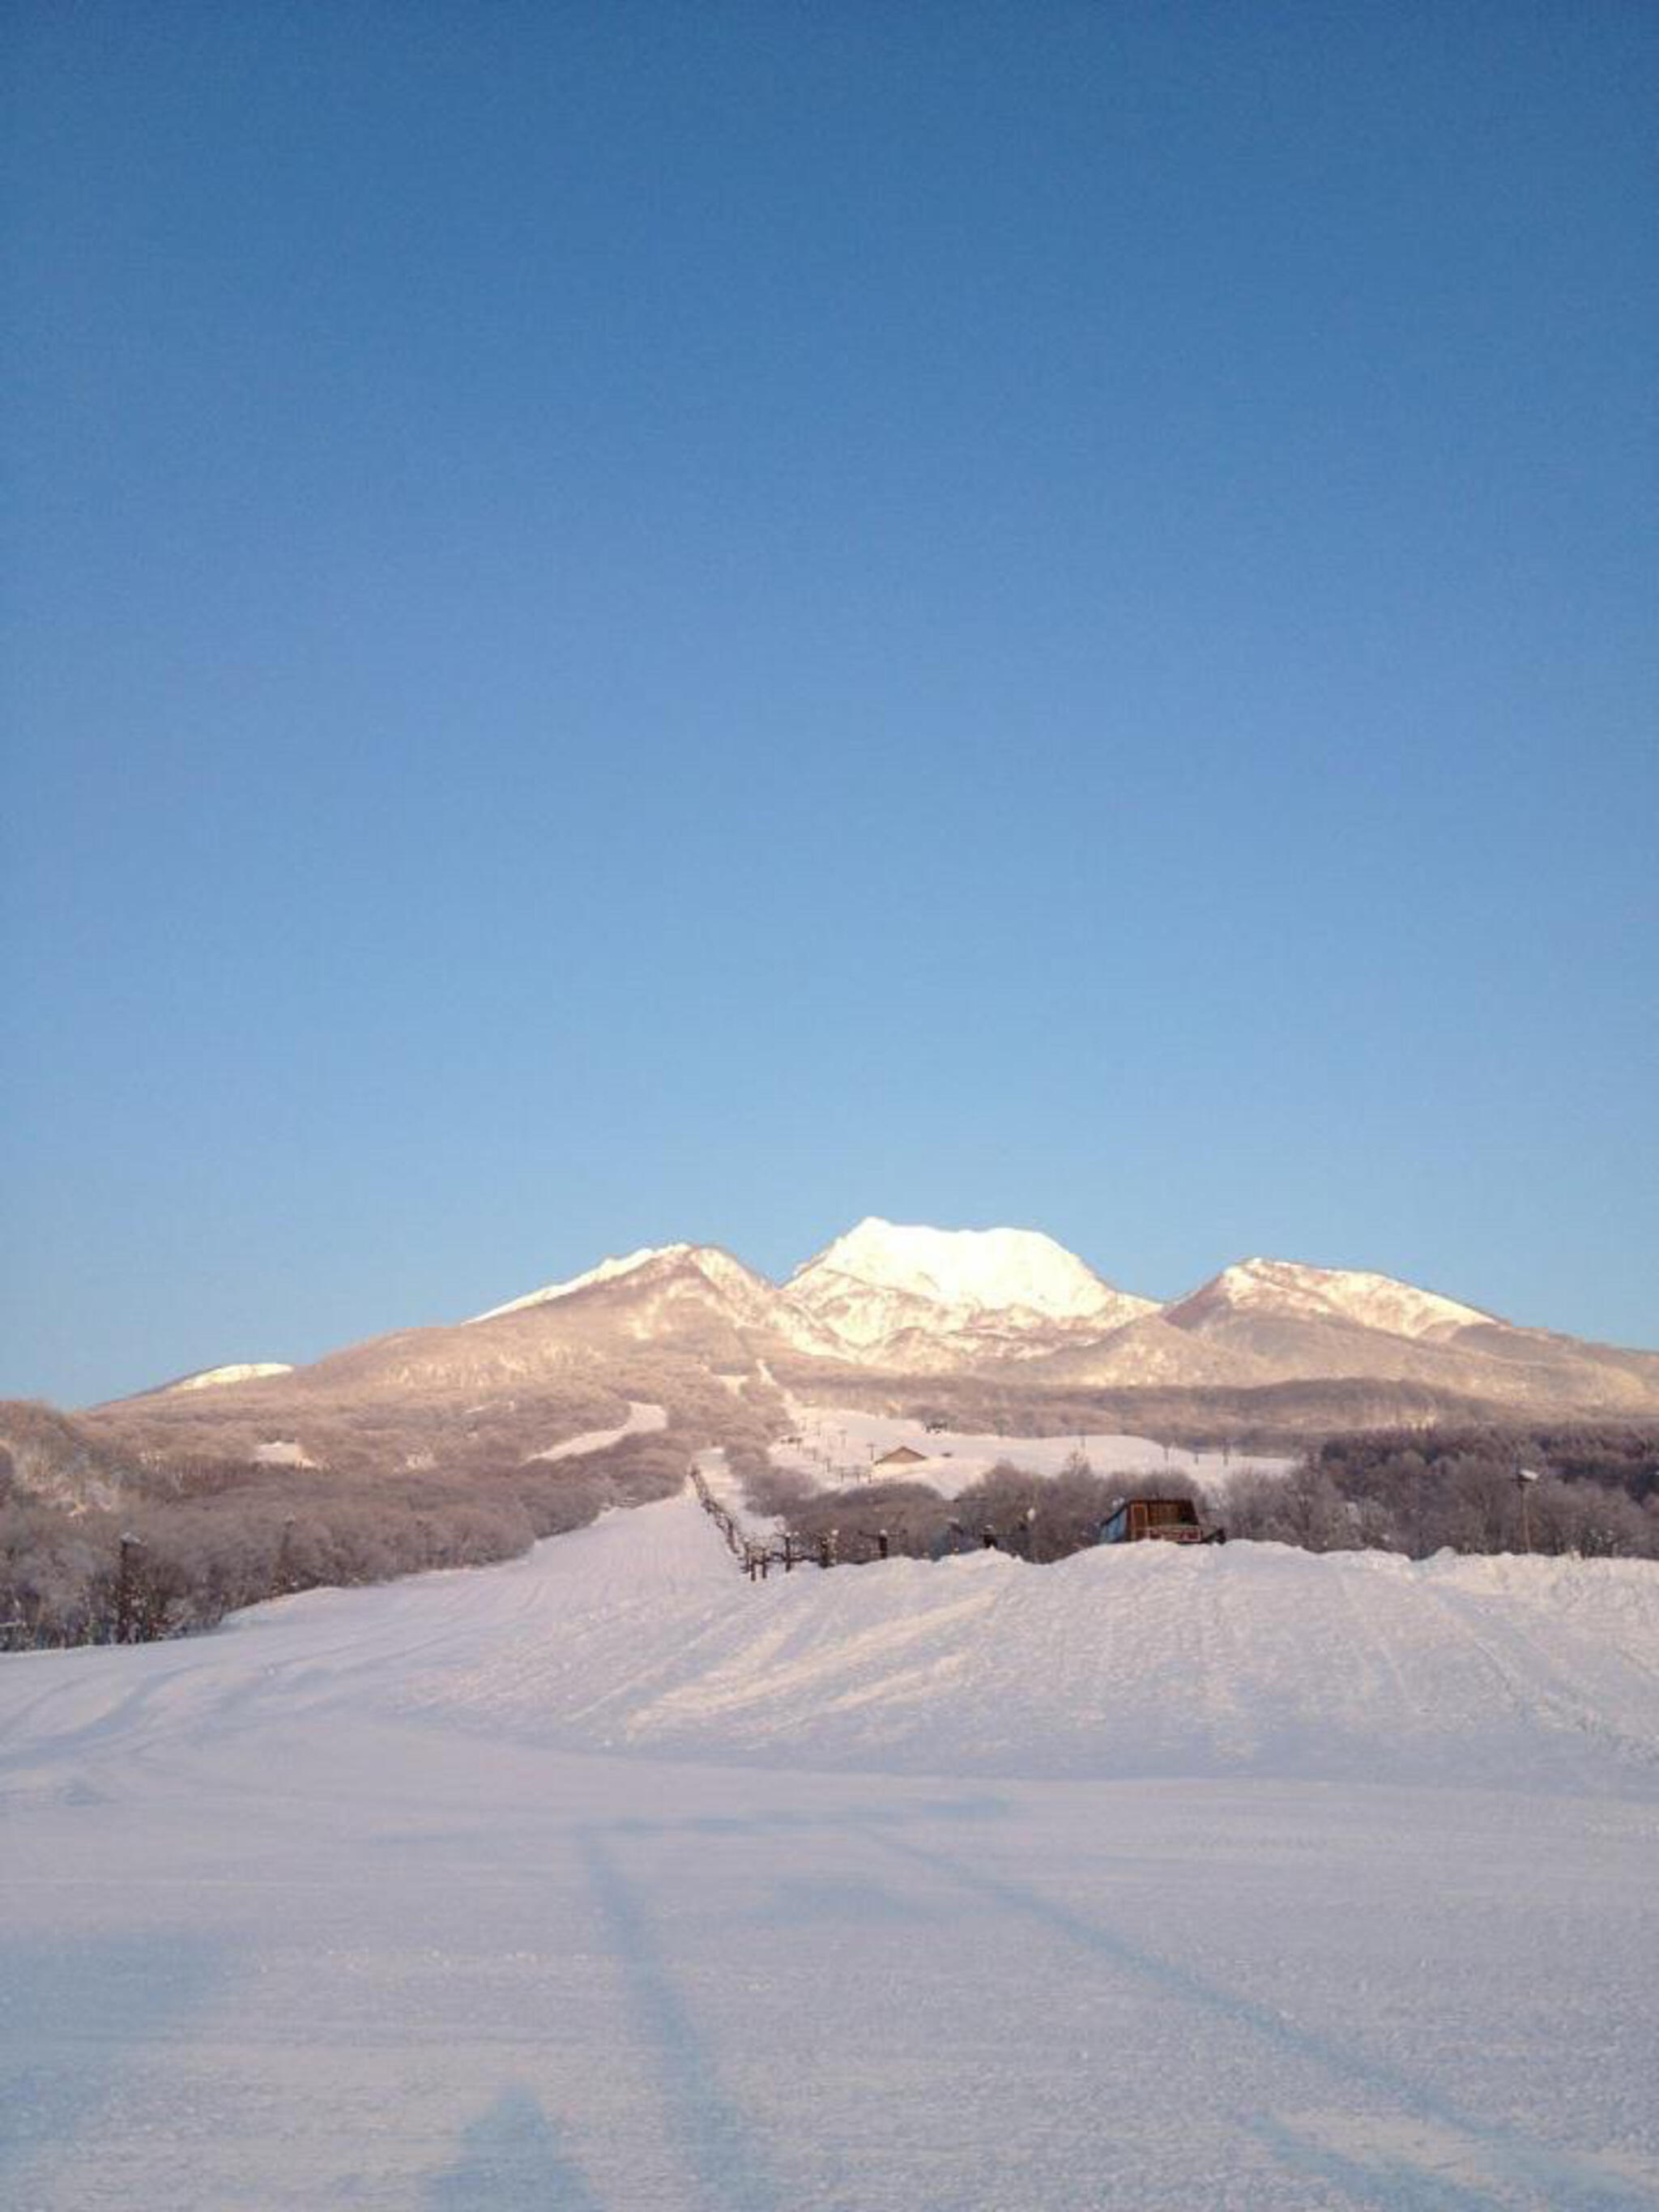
<point x="1152" y="1882"/>
<point x="282" y="1452"/>
<point x="726" y="1489"/>
<point x="642" y="1420"/>
<point x="833" y="1445"/>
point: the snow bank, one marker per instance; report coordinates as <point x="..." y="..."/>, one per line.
<point x="1243" y="1659"/>
<point x="1247" y="1660"/>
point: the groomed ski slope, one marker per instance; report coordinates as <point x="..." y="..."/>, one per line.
<point x="1151" y="1880"/>
<point x="642" y="1420"/>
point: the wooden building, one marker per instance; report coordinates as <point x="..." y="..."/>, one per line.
<point x="898" y="1459"/>
<point x="1143" y="1520"/>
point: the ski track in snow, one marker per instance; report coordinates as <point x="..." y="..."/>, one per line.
<point x="605" y="1881"/>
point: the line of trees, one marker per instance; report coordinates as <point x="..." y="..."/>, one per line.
<point x="1420" y="1492"/>
<point x="1041" y="1517"/>
<point x="1414" y="1492"/>
<point x="1271" y="1417"/>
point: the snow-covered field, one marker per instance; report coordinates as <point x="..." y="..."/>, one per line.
<point x="1151" y="1881"/>
<point x="834" y="1444"/>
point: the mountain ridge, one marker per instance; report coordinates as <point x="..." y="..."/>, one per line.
<point x="1009" y="1308"/>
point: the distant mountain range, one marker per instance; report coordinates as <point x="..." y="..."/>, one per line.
<point x="935" y="1301"/>
<point x="1002" y="1318"/>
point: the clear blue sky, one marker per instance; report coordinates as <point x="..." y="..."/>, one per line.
<point x="634" y="622"/>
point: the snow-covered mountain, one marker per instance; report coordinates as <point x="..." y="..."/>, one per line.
<point x="1285" y="1287"/>
<point x="1009" y="1306"/>
<point x="660" y="1291"/>
<point x="914" y="1297"/>
<point x="997" y="1270"/>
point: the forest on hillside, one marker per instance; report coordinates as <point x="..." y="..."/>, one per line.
<point x="160" y="1515"/>
<point x="1263" y="1417"/>
<point x="101" y="1545"/>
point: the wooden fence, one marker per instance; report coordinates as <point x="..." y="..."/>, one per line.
<point x="757" y="1557"/>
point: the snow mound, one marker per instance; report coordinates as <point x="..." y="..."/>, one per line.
<point x="1148" y="1660"/>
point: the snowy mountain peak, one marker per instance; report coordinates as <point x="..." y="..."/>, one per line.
<point x="884" y="1279"/>
<point x="992" y="1269"/>
<point x="606" y="1272"/>
<point x="1369" y="1301"/>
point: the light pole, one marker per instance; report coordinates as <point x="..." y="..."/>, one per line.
<point x="1524" y="1478"/>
